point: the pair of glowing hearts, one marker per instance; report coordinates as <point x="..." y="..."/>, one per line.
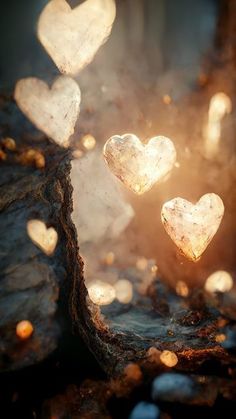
<point x="43" y="237"/>
<point x="54" y="111"/>
<point x="139" y="167"/>
<point x="72" y="36"/>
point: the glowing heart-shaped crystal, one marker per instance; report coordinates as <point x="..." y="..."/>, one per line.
<point x="54" y="111"/>
<point x="72" y="36"/>
<point x="192" y="227"/>
<point x="139" y="166"/>
<point x="43" y="237"/>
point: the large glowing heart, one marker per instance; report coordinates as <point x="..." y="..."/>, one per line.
<point x="72" y="36"/>
<point x="43" y="237"/>
<point x="190" y="226"/>
<point x="54" y="111"/>
<point x="139" y="166"/>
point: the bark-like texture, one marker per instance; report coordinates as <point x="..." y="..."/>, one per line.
<point x="31" y="283"/>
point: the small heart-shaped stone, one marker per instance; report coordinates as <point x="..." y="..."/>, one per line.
<point x="43" y="237"/>
<point x="72" y="36"/>
<point x="192" y="227"/>
<point x="139" y="166"/>
<point x="54" y="111"/>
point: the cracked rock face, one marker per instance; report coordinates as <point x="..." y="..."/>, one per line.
<point x="30" y="281"/>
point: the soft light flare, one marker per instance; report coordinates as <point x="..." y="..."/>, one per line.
<point x="219" y="281"/>
<point x="101" y="293"/>
<point x="124" y="291"/>
<point x="220" y="105"/>
<point x="88" y="142"/>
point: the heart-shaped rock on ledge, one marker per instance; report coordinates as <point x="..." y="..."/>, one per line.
<point x="43" y="237"/>
<point x="54" y="111"/>
<point x="72" y="36"/>
<point x="192" y="227"/>
<point x="139" y="166"/>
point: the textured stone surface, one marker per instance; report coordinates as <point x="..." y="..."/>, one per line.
<point x="54" y="111"/>
<point x="72" y="36"/>
<point x="139" y="166"/>
<point x="190" y="226"/>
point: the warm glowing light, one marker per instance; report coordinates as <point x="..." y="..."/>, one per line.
<point x="77" y="154"/>
<point x="24" y="329"/>
<point x="109" y="258"/>
<point x="220" y="105"/>
<point x="153" y="354"/>
<point x="88" y="142"/>
<point x="167" y="99"/>
<point x="219" y="281"/>
<point x="190" y="226"/>
<point x="182" y="289"/>
<point x="220" y="338"/>
<point x="72" y="36"/>
<point x="9" y="143"/>
<point x="142" y="264"/>
<point x="32" y="156"/>
<point x="101" y="293"/>
<point x="124" y="291"/>
<point x="43" y="237"/>
<point x="154" y="269"/>
<point x="139" y="166"/>
<point x="54" y="111"/>
<point x="169" y="358"/>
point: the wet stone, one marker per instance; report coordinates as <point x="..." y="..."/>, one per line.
<point x="144" y="410"/>
<point x="173" y="387"/>
<point x="230" y="340"/>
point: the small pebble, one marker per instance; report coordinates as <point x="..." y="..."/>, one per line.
<point x="220" y="338"/>
<point x="169" y="358"/>
<point x="24" y="329"/>
<point x="144" y="410"/>
<point x="173" y="387"/>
